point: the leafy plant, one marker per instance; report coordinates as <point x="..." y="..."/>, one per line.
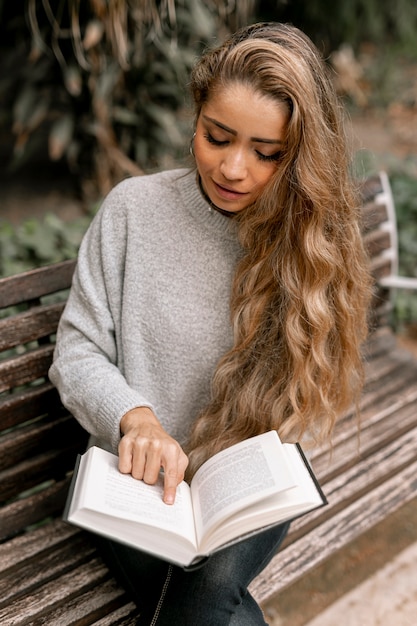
<point x="404" y="188"/>
<point x="353" y="22"/>
<point x="39" y="242"/>
<point x="103" y="84"/>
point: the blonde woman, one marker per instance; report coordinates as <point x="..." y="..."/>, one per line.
<point x="219" y="302"/>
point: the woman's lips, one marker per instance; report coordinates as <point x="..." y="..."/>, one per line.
<point x="228" y="193"/>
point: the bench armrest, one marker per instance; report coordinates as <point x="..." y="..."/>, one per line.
<point x="398" y="282"/>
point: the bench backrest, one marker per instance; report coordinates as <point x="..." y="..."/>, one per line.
<point x="379" y="231"/>
<point x="39" y="440"/>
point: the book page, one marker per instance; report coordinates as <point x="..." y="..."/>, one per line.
<point x="121" y="496"/>
<point x="237" y="477"/>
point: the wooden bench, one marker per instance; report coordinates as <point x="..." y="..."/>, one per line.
<point x="50" y="572"/>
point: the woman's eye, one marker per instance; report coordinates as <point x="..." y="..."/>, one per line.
<point x="269" y="157"/>
<point x="262" y="157"/>
<point x="214" y="141"/>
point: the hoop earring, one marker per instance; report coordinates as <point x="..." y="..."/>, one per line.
<point x="192" y="145"/>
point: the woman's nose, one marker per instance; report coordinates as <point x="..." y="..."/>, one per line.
<point x="233" y="165"/>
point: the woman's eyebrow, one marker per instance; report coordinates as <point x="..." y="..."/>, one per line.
<point x="233" y="132"/>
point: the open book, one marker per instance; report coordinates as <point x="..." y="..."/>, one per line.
<point x="254" y="484"/>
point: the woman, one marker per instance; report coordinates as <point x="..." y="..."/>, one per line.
<point x="215" y="304"/>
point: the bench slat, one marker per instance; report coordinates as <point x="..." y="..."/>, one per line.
<point x="27" y="404"/>
<point x="25" y="368"/>
<point x="30" y="325"/>
<point x="42" y="539"/>
<point x="36" y="283"/>
<point x="369" y="472"/>
<point x="377" y="430"/>
<point x="29" y="576"/>
<point x="34" y="605"/>
<point x="84" y="609"/>
<point x="380" y="267"/>
<point x="373" y="214"/>
<point x="36" y="471"/>
<point x="377" y="242"/>
<point x="380" y="341"/>
<point x="21" y="514"/>
<point x="383" y="368"/>
<point x="370" y="187"/>
<point x="125" y="616"/>
<point x="37" y="438"/>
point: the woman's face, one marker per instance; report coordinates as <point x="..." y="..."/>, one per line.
<point x="239" y="136"/>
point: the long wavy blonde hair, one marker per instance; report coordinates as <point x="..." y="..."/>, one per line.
<point x="300" y="295"/>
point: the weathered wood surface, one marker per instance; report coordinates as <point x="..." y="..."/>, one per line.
<point x="53" y="576"/>
<point x="300" y="557"/>
<point x="36" y="283"/>
<point x="29" y="325"/>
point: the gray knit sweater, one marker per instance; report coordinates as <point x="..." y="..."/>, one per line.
<point x="148" y="315"/>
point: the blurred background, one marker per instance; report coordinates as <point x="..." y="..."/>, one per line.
<point x="93" y="91"/>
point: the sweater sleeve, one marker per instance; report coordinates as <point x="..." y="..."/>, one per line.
<point x="86" y="366"/>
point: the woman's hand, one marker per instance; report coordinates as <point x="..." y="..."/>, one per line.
<point x="145" y="447"/>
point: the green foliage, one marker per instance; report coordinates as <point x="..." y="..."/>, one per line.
<point x="39" y="242"/>
<point x="103" y="85"/>
<point x="404" y="188"/>
<point x="331" y="24"/>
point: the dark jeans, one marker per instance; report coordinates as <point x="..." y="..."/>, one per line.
<point x="215" y="594"/>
